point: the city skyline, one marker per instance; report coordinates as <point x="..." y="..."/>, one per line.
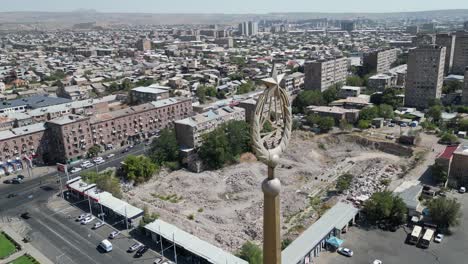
<point x="238" y="7"/>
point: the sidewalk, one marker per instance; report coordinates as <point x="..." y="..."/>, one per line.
<point x="36" y="172"/>
<point x="26" y="248"/>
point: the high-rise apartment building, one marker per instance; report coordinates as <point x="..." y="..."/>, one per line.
<point x="144" y="44"/>
<point x="248" y="28"/>
<point x="321" y="74"/>
<point x="379" y="61"/>
<point x="348" y="25"/>
<point x="465" y="25"/>
<point x="465" y="89"/>
<point x="447" y="40"/>
<point x="425" y="75"/>
<point x="460" y="54"/>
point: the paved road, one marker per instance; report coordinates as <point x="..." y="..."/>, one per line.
<point x="59" y="238"/>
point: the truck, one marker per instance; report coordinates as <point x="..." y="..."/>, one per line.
<point x="427" y="238"/>
<point x="415" y="234"/>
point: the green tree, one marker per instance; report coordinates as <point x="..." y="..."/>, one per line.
<point x="105" y="181"/>
<point x="214" y="149"/>
<point x="344" y="182"/>
<point x="439" y="173"/>
<point x="306" y="98"/>
<point x="369" y="113"/>
<point x="445" y="212"/>
<point x="384" y="206"/>
<point x="138" y="168"/>
<point x="452" y="86"/>
<point x="449" y="139"/>
<point x="390" y="96"/>
<point x="251" y="253"/>
<point x="354" y="81"/>
<point x="463" y="126"/>
<point x="246" y="87"/>
<point x="345" y="126"/>
<point x="386" y="111"/>
<point x="331" y="94"/>
<point x="165" y="148"/>
<point x="93" y="151"/>
<point x="435" y="112"/>
<point x="363" y="124"/>
<point x="238" y="136"/>
<point x="326" y="123"/>
<point x="126" y="85"/>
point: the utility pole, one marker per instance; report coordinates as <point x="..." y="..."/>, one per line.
<point x="60" y="184"/>
<point x="89" y="203"/>
<point x="175" y="252"/>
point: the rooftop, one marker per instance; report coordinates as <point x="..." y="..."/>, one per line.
<point x="152" y="89"/>
<point x="193" y="244"/>
<point x="21" y="131"/>
<point x="68" y="119"/>
<point x="34" y="102"/>
<point x="462" y="150"/>
<point x="209" y="115"/>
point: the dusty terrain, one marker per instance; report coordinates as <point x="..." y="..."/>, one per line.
<point x="224" y="207"/>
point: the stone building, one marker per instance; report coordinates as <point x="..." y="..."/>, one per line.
<point x="190" y="130"/>
<point x="465" y="89"/>
<point x="447" y="40"/>
<point x="379" y="61"/>
<point x="425" y="75"/>
<point x="459" y="165"/>
<point x="460" y="54"/>
<point x="321" y="74"/>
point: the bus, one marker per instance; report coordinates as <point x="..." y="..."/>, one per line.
<point x="427" y="238"/>
<point x="414" y="237"/>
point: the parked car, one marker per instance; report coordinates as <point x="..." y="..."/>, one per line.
<point x="25" y="215"/>
<point x="157" y="261"/>
<point x="20" y="177"/>
<point x="345" y="251"/>
<point x="438" y="238"/>
<point x="75" y="169"/>
<point x="99" y="161"/>
<point x="87" y="220"/>
<point x="98" y="225"/>
<point x="11" y="195"/>
<point x="134" y="247"/>
<point x="16" y="181"/>
<point x="127" y="149"/>
<point x="7" y="182"/>
<point x="462" y="190"/>
<point x="377" y="261"/>
<point x="141" y="251"/>
<point x="82" y="216"/>
<point x="110" y="156"/>
<point x="114" y="234"/>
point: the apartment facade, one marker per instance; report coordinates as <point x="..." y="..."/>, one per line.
<point x="293" y="83"/>
<point x="425" y="75"/>
<point x="465" y="89"/>
<point x="189" y="131"/>
<point x="459" y="165"/>
<point x="321" y="74"/>
<point x="447" y="40"/>
<point x="460" y="54"/>
<point x="69" y="137"/>
<point x="151" y="93"/>
<point x="380" y="61"/>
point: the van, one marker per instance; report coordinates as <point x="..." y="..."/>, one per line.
<point x="106" y="245"/>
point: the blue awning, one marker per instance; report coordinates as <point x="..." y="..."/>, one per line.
<point x="334" y="241"/>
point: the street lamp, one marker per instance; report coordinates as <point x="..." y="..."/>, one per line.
<point x="271" y="131"/>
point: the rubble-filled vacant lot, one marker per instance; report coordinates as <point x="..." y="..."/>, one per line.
<point x="224" y="207"/>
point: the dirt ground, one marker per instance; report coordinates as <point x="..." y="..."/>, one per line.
<point x="224" y="207"/>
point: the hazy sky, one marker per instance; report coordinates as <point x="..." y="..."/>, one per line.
<point x="232" y="6"/>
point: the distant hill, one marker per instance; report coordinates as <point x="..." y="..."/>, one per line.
<point x="52" y="20"/>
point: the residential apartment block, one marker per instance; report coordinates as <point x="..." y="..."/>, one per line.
<point x="447" y="40"/>
<point x="293" y="83"/>
<point x="465" y="89"/>
<point x="189" y="131"/>
<point x="380" y="61"/>
<point x="460" y="54"/>
<point x="151" y="93"/>
<point x="69" y="137"/>
<point x="425" y="75"/>
<point x="248" y="28"/>
<point x="321" y="74"/>
<point x="459" y="165"/>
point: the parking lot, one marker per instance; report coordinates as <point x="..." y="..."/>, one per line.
<point x="68" y="214"/>
<point x="390" y="247"/>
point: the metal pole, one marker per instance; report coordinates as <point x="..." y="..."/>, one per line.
<point x="126" y="218"/>
<point x="60" y="185"/>
<point x="271" y="219"/>
<point x="89" y="202"/>
<point x="175" y="252"/>
<point x="102" y="213"/>
<point x="160" y="240"/>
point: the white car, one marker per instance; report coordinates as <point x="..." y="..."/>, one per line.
<point x="87" y="165"/>
<point x="134" y="247"/>
<point x="82" y="216"/>
<point x="462" y="190"/>
<point x="110" y="156"/>
<point x="114" y="234"/>
<point x="345" y="251"/>
<point x="97" y="159"/>
<point x="377" y="261"/>
<point x="98" y="225"/>
<point x="87" y="220"/>
<point x="439" y="238"/>
<point x="99" y="162"/>
<point x="75" y="170"/>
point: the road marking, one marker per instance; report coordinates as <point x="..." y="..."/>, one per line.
<point x="66" y="241"/>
